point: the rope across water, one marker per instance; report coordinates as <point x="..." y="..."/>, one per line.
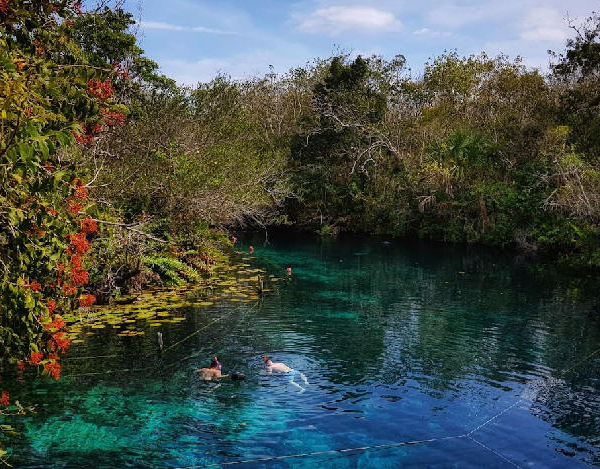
<point x="208" y="325"/>
<point x="196" y="332"/>
<point x="348" y="451"/>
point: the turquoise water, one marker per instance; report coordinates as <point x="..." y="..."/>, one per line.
<point x="481" y="353"/>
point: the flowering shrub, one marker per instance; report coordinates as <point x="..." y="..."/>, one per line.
<point x="44" y="232"/>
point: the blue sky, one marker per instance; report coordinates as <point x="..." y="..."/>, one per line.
<point x="193" y="40"/>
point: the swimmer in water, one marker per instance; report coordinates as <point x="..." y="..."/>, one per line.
<point x="283" y="368"/>
<point x="213" y="373"/>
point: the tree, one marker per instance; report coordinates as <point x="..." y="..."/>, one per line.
<point x="342" y="140"/>
<point x="577" y="75"/>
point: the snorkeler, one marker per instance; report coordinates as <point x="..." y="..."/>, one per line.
<point x="212" y="373"/>
<point x="283" y="368"/>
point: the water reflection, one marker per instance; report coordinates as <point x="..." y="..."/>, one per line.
<point x="400" y="341"/>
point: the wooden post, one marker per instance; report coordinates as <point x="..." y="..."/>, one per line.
<point x="160" y="340"/>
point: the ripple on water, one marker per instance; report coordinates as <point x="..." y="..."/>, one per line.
<point x="397" y="345"/>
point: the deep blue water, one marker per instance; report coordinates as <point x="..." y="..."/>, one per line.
<point x="399" y="341"/>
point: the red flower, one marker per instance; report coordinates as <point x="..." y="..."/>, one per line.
<point x="5" y="400"/>
<point x="76" y="262"/>
<point x="52" y="212"/>
<point x="80" y="277"/>
<point x="21" y="366"/>
<point x="81" y="192"/>
<point x="35" y="286"/>
<point x="29" y="112"/>
<point x="86" y="300"/>
<point x="79" y="244"/>
<point x="53" y="356"/>
<point x="69" y="289"/>
<point x="53" y="369"/>
<point x="100" y="89"/>
<point x="112" y="117"/>
<point x="74" y="207"/>
<point x="36" y="357"/>
<point x="89" y="225"/>
<point x="51" y="305"/>
<point x="57" y="323"/>
<point x="83" y="138"/>
<point x="60" y="340"/>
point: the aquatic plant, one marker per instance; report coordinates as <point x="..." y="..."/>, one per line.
<point x="172" y="271"/>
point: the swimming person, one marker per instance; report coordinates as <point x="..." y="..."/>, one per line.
<point x="212" y="373"/>
<point x="283" y="368"/>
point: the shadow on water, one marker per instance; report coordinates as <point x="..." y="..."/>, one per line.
<point x="399" y="341"/>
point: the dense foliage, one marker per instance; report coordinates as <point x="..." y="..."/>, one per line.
<point x="50" y="97"/>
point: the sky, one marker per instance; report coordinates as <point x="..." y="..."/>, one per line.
<point x="194" y="40"/>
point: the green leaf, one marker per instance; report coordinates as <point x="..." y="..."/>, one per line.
<point x="15" y="216"/>
<point x="26" y="151"/>
<point x="64" y="138"/>
<point x="29" y="301"/>
<point x="43" y="148"/>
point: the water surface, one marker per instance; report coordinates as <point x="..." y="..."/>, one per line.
<point x="485" y="356"/>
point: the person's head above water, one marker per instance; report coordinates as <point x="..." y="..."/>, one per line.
<point x="215" y="363"/>
<point x="267" y="360"/>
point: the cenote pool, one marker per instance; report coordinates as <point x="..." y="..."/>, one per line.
<point x="486" y="357"/>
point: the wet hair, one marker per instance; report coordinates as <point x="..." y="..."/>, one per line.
<point x="238" y="376"/>
<point x="215" y="363"/>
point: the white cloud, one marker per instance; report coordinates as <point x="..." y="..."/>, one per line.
<point x="157" y="25"/>
<point x="545" y="24"/>
<point x="239" y="66"/>
<point x="456" y="16"/>
<point x="336" y="20"/>
<point x="426" y="32"/>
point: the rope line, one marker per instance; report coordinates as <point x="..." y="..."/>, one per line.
<point x="331" y="451"/>
<point x="108" y="372"/>
<point x="343" y="451"/>
<point x="371" y="447"/>
<point x="207" y="325"/>
<point x="490" y="420"/>
<point x="580" y="362"/>
<point x="92" y="358"/>
<point x="500" y="455"/>
<point x="195" y="354"/>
